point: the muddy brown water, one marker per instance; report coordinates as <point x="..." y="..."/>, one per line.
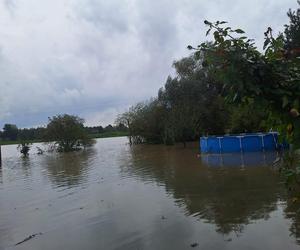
<point x="114" y="196"/>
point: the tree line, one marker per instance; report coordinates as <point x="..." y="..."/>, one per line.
<point x="189" y="105"/>
<point x="11" y="133"/>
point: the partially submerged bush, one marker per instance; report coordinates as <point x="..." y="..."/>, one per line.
<point x="67" y="133"/>
<point x="24" y="148"/>
<point x="40" y="151"/>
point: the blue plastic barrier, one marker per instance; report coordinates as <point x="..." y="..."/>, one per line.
<point x="258" y="142"/>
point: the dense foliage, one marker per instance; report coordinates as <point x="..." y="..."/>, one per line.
<point x="67" y="132"/>
<point x="227" y="85"/>
<point x="10" y="131"/>
<point x="189" y="105"/>
<point x="270" y="79"/>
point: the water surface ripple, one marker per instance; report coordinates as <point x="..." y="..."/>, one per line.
<point x="114" y="196"/>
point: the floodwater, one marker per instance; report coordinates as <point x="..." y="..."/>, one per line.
<point x="114" y="196"/>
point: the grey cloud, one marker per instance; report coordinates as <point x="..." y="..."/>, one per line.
<point x="111" y="16"/>
<point x="10" y="4"/>
<point x="94" y="58"/>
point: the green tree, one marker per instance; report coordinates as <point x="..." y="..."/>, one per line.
<point x="10" y="132"/>
<point x="188" y="106"/>
<point x="193" y="107"/>
<point x="292" y="33"/>
<point x="247" y="118"/>
<point x="269" y="79"/>
<point x="67" y="132"/>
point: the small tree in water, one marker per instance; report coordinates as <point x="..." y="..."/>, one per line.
<point x="67" y="132"/>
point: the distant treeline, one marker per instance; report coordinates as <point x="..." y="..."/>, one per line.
<point x="11" y="132"/>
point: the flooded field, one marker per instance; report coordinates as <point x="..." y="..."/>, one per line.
<point x="114" y="196"/>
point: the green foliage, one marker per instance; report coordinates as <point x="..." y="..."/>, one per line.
<point x="248" y="118"/>
<point x="27" y="134"/>
<point x="10" y="132"/>
<point x="270" y="79"/>
<point x="39" y="134"/>
<point x="68" y="133"/>
<point x="193" y="105"/>
<point x="189" y="105"/>
<point x="292" y="33"/>
<point x="144" y="122"/>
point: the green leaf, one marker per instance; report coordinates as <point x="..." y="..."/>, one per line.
<point x="239" y="31"/>
<point x="296" y="103"/>
<point x="207" y="32"/>
<point x="197" y="54"/>
<point x="285" y="101"/>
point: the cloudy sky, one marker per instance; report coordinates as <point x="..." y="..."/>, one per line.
<point x="95" y="58"/>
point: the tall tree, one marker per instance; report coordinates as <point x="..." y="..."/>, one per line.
<point x="292" y="33"/>
<point x="10" y="132"/>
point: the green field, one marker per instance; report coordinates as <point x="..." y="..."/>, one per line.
<point x="17" y="142"/>
<point x="100" y="135"/>
<point x="110" y="134"/>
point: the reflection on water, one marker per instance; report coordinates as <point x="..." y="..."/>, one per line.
<point x="254" y="159"/>
<point x="25" y="166"/>
<point x="1" y="180"/>
<point x="228" y="198"/>
<point x="114" y="196"/>
<point x="69" y="169"/>
<point x="292" y="212"/>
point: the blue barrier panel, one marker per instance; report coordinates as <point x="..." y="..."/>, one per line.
<point x="252" y="143"/>
<point x="231" y="144"/>
<point x="255" y="142"/>
<point x="213" y="144"/>
<point x="270" y="141"/>
<point x="203" y="144"/>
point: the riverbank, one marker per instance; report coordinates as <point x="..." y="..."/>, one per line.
<point x="95" y="136"/>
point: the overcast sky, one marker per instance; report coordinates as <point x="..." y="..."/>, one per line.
<point x="95" y="58"/>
